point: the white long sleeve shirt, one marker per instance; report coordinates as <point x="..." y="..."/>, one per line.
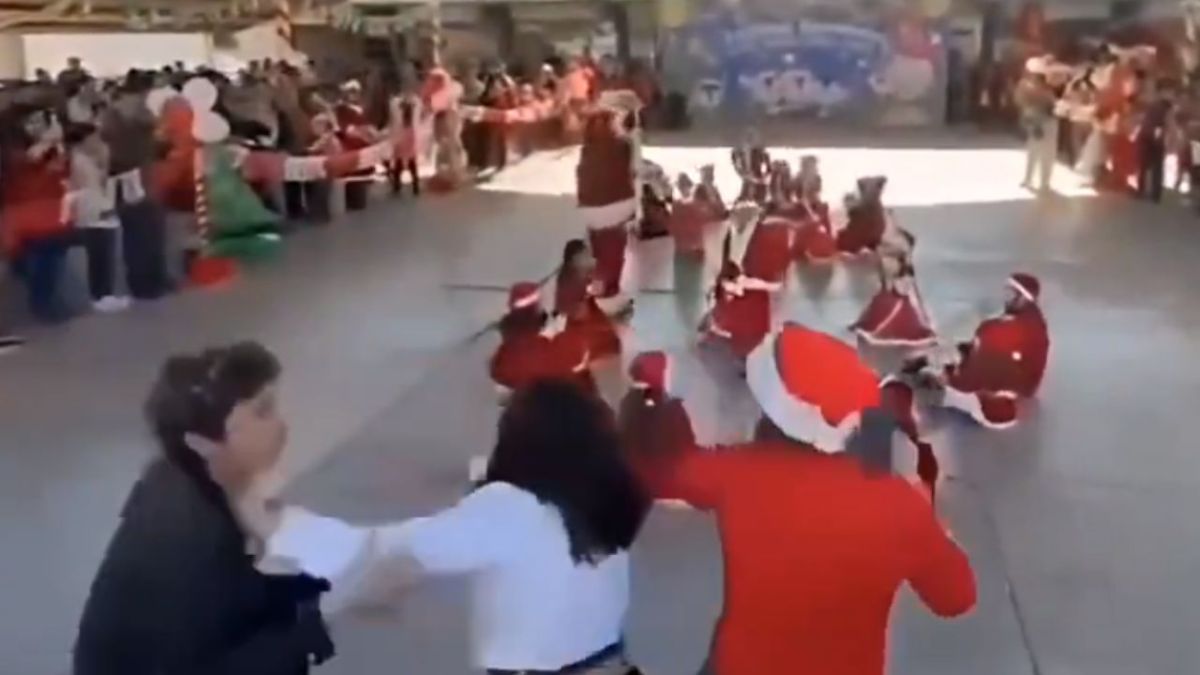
<point x="534" y="608"/>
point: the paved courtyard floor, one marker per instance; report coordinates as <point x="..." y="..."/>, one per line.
<point x="1077" y="521"/>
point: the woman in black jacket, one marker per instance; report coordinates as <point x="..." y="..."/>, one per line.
<point x="178" y="592"/>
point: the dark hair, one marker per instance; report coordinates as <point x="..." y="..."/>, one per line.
<point x="78" y="133"/>
<point x="572" y="250"/>
<point x="561" y="444"/>
<point x="195" y="393"/>
<point x="523" y="320"/>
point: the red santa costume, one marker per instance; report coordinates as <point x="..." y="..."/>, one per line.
<point x="650" y="419"/>
<point x="607" y="188"/>
<point x="815" y="545"/>
<point x="575" y="298"/>
<point x="534" y="346"/>
<point x="1005" y="362"/>
<point x="755" y="257"/>
<point x="866" y="218"/>
<point x="896" y="315"/>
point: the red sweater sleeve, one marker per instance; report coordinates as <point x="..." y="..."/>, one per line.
<point x="692" y="476"/>
<point x="941" y="574"/>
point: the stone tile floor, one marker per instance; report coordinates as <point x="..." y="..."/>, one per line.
<point x="1078" y="517"/>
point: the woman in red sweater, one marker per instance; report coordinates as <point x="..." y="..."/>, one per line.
<point x="35" y="232"/>
<point x="816" y="542"/>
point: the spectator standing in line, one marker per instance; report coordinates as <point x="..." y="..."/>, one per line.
<point x="1035" y="101"/>
<point x="93" y="212"/>
<point x="9" y="341"/>
<point x="128" y="128"/>
<point x="1157" y="106"/>
<point x="74" y="74"/>
<point x="36" y="235"/>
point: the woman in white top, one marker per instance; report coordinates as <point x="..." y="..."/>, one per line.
<point x="547" y="536"/>
<point x="93" y="212"/>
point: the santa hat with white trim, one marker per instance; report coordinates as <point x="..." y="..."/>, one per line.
<point x="523" y="295"/>
<point x="650" y="371"/>
<point x="812" y="386"/>
<point x="1026" y="285"/>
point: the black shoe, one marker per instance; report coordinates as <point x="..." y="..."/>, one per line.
<point x="11" y="343"/>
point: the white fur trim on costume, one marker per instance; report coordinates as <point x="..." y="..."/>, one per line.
<point x="1012" y="283"/>
<point x="609" y="215"/>
<point x="755" y="284"/>
<point x="527" y="300"/>
<point x="800" y="420"/>
<point x="894" y="342"/>
<point x="970" y="404"/>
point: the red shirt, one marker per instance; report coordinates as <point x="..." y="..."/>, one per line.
<point x="814" y="552"/>
<point x="32" y="191"/>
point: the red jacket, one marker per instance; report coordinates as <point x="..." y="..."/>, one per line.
<point x="1009" y="355"/>
<point x="605" y="172"/>
<point x="32" y="193"/>
<point x="525" y="355"/>
<point x="814" y="552"/>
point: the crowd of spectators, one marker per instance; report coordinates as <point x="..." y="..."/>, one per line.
<point x="1116" y="117"/>
<point x="78" y="158"/>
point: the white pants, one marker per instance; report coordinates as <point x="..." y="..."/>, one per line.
<point x="1041" y="154"/>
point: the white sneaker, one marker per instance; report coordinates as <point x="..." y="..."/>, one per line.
<point x="111" y="304"/>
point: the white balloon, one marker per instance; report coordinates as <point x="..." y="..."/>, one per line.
<point x="201" y="93"/>
<point x="209" y="127"/>
<point x="157" y="98"/>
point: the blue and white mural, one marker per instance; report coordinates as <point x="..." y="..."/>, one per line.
<point x="825" y="70"/>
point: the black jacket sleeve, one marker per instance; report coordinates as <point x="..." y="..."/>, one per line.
<point x="176" y="595"/>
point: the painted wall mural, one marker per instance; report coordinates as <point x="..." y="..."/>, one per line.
<point x="725" y="65"/>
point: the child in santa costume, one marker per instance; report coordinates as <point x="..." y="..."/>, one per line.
<point x="816" y="540"/>
<point x="814" y="242"/>
<point x="534" y="345"/>
<point x="755" y="256"/>
<point x="866" y="218"/>
<point x="607" y="188"/>
<point x="896" y="316"/>
<point x="651" y="420"/>
<point x="1006" y="361"/>
<point x="576" y="298"/>
<point x="709" y="196"/>
<point x="657" y="202"/>
<point x="688" y="219"/>
<point x="753" y="164"/>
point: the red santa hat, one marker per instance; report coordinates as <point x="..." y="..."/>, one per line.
<point x="812" y="386"/>
<point x="1026" y="285"/>
<point x="650" y="371"/>
<point x="523" y="295"/>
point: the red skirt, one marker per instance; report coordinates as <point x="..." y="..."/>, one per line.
<point x="891" y="319"/>
<point x="597" y="331"/>
<point x="608" y="246"/>
<point x="742" y="320"/>
<point x="814" y="243"/>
